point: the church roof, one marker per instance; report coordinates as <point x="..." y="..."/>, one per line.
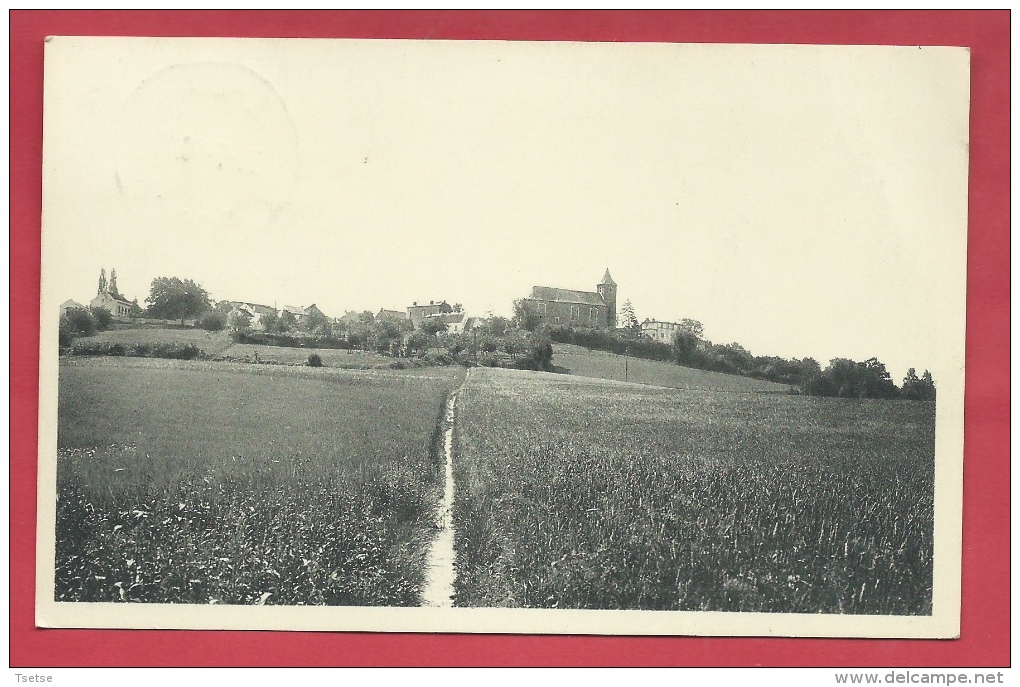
<point x="118" y="299"/>
<point x="548" y="293"/>
<point x="608" y="279"/>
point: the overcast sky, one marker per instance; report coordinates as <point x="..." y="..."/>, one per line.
<point x="802" y="201"/>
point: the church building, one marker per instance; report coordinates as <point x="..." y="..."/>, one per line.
<point x="593" y="309"/>
<point x="109" y="298"/>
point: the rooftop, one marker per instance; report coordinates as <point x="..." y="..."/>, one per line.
<point x="549" y="293"/>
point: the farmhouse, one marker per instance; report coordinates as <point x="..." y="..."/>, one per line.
<point x="70" y="305"/>
<point x="256" y="312"/>
<point x="109" y="298"/>
<point x="416" y="313"/>
<point x="385" y="315"/>
<point x="352" y="318"/>
<point x="592" y="309"/>
<point x="118" y="307"/>
<point x="456" y="322"/>
<point x="660" y="331"/>
<point x="300" y="313"/>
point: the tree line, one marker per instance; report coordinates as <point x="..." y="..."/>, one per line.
<point x="842" y="377"/>
<point x="524" y="340"/>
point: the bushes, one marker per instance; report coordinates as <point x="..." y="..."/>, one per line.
<point x="284" y="340"/>
<point x="66" y="334"/>
<point x="211" y="321"/>
<point x="78" y="322"/>
<point x="176" y="351"/>
<point x="601" y="340"/>
<point x="314" y="360"/>
<point x="98" y="348"/>
<point x="172" y="350"/>
<point x="102" y="317"/>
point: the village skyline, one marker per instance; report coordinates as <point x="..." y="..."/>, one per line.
<point x="358" y="175"/>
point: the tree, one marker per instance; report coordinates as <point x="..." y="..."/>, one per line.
<point x="136" y="309"/>
<point x="102" y="317"/>
<point x="314" y="322"/>
<point x="515" y="344"/>
<point x="102" y="282"/>
<point x="287" y="322"/>
<point x="497" y="326"/>
<point x="736" y="358"/>
<point x="386" y="334"/>
<point x="417" y="342"/>
<point x="876" y="381"/>
<point x="524" y="316"/>
<point x="692" y="327"/>
<point x="685" y="346"/>
<point x="915" y="389"/>
<point x="239" y="321"/>
<point x="433" y="325"/>
<point x="171" y="298"/>
<point x="848" y="379"/>
<point x="628" y="319"/>
<point x="453" y="343"/>
<point x="211" y="321"/>
<point x="78" y="322"/>
<point x="270" y="322"/>
<point x="113" y="285"/>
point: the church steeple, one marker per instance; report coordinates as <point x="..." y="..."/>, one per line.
<point x="607" y="289"/>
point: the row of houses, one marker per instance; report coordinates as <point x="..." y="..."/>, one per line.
<point x="552" y="305"/>
<point x="257" y="312"/>
<point x="455" y="319"/>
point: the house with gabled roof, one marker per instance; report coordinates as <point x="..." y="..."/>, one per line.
<point x="416" y="313"/>
<point x="119" y="307"/>
<point x="70" y="305"/>
<point x="456" y="322"/>
<point x="385" y="315"/>
<point x="567" y="307"/>
<point x="300" y="312"/>
<point x="255" y="312"/>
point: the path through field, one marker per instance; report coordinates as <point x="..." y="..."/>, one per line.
<point x="439" y="573"/>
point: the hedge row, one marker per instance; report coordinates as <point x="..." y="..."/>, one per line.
<point x="601" y="340"/>
<point x="171" y="350"/>
<point x="264" y="339"/>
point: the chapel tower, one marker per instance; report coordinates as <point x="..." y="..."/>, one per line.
<point x="607" y="289"/>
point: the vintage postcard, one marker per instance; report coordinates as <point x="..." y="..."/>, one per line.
<point x="481" y="336"/>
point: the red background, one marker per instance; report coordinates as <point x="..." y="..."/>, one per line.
<point x="984" y="637"/>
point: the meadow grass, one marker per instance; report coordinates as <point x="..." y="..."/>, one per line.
<point x="213" y="482"/>
<point x="331" y="357"/>
<point x="211" y="343"/>
<point x="596" y="364"/>
<point x="220" y="345"/>
<point x="576" y="493"/>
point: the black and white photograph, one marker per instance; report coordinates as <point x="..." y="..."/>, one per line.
<point x="503" y="337"/>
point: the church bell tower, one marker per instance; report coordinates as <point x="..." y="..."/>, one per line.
<point x="607" y="289"/>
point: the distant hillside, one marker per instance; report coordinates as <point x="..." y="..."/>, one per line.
<point x="577" y="360"/>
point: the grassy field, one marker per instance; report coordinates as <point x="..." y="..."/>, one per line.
<point x="214" y="482"/>
<point x="219" y="345"/>
<point x="212" y="343"/>
<point x="581" y="361"/>
<point x="576" y="493"/>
